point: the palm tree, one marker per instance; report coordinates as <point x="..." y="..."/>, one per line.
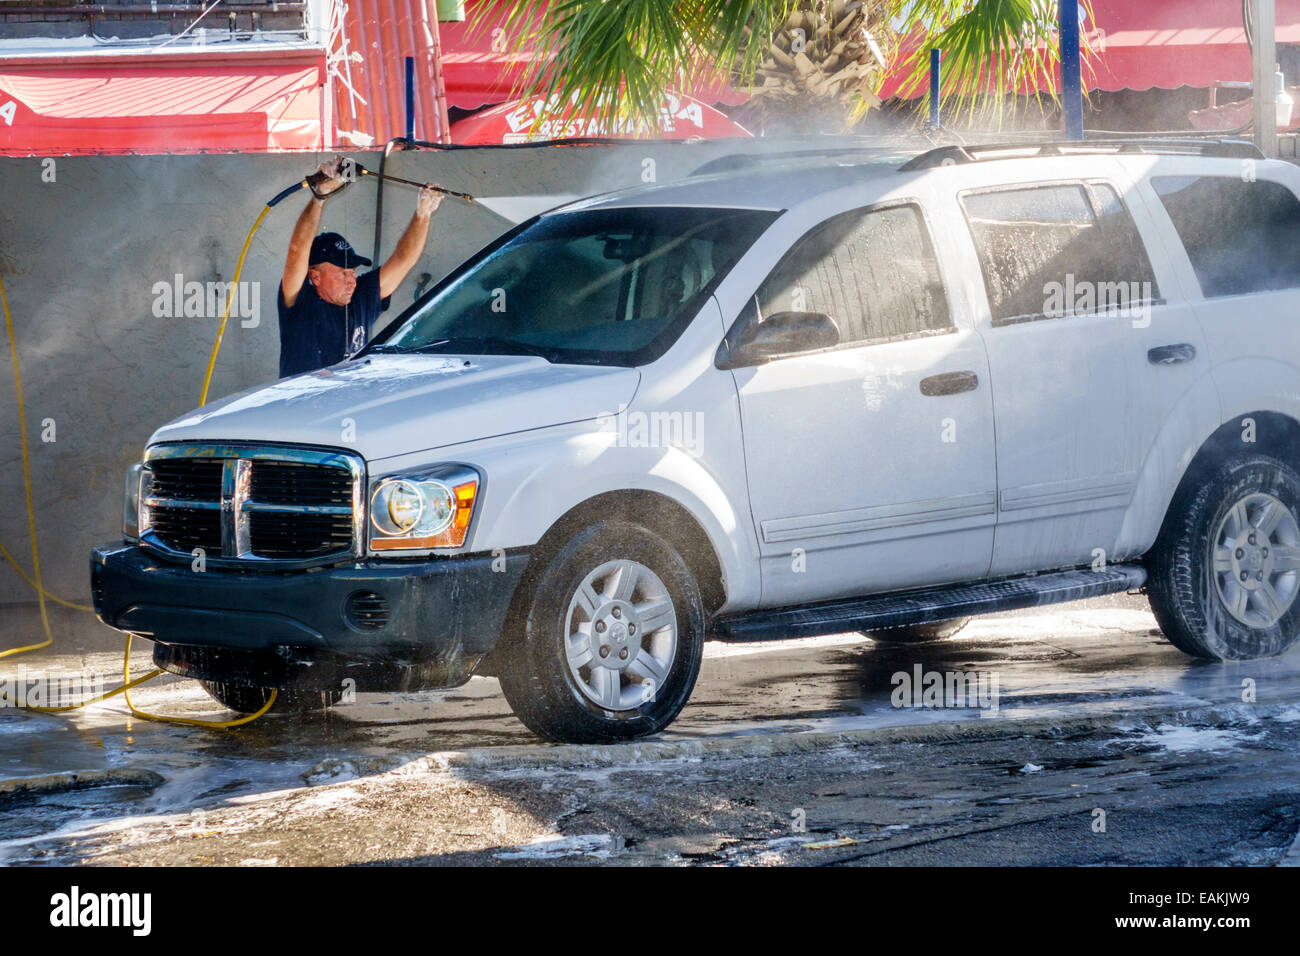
<point x="818" y="60"/>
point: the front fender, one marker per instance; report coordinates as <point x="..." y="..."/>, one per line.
<point x="679" y="436"/>
<point x="526" y="493"/>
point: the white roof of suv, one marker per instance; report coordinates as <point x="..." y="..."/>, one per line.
<point x="782" y="181"/>
<point x="767" y="186"/>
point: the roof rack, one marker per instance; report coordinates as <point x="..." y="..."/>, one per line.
<point x="960" y="155"/>
<point x="734" y="162"/>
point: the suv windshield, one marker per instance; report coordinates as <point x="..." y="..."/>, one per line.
<point x="601" y="287"/>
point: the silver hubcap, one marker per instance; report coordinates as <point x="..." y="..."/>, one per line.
<point x="1256" y="558"/>
<point x="621" y="635"/>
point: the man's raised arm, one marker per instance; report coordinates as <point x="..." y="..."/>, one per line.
<point x="411" y="246"/>
<point x="304" y="231"/>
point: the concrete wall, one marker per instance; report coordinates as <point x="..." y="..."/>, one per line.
<point x="80" y="256"/>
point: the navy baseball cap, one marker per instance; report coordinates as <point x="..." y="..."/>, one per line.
<point x="333" y="248"/>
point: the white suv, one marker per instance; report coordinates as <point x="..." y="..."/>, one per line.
<point x="783" y="397"/>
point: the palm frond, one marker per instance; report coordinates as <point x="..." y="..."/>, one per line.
<point x="990" y="48"/>
<point x="614" y="59"/>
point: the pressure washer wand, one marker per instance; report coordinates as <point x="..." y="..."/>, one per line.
<point x="410" y="182"/>
<point x="312" y="181"/>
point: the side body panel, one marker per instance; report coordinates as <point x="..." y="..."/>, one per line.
<point x="858" y="481"/>
<point x="1078" y="402"/>
<point x="1252" y="342"/>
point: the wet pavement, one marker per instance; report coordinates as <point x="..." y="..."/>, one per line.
<point x="1094" y="711"/>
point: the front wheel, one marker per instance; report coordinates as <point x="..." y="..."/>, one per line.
<point x="1224" y="575"/>
<point x="611" y="643"/>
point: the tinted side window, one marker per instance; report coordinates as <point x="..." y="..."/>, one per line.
<point x="1241" y="237"/>
<point x="1055" y="251"/>
<point x="873" y="272"/>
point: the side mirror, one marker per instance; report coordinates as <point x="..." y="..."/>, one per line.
<point x="752" y="342"/>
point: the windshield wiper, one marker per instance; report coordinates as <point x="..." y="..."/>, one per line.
<point x="495" y="345"/>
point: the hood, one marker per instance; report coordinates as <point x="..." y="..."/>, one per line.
<point x="397" y="404"/>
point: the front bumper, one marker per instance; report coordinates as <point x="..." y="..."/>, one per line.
<point x="388" y="624"/>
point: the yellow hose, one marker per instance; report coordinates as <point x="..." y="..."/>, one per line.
<point x="27" y="486"/>
<point x="230" y="295"/>
<point x="94" y="700"/>
<point x="126" y="674"/>
<point x="4" y="553"/>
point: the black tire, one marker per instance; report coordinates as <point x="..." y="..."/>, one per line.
<point x="243" y="699"/>
<point x="919" y="633"/>
<point x="1188" y="598"/>
<point x="535" y="674"/>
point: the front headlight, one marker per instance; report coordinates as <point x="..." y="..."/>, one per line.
<point x="396" y="507"/>
<point x="421" y="511"/>
<point x="135" y="512"/>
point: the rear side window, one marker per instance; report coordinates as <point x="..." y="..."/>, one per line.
<point x="1241" y="236"/>
<point x="873" y="271"/>
<point x="1057" y="251"/>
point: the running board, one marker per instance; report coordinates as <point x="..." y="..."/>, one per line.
<point x="900" y="609"/>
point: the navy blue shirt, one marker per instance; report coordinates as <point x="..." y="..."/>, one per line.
<point x="315" y="333"/>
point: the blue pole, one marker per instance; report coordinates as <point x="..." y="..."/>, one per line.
<point x="936" y="60"/>
<point x="410" y="97"/>
<point x="1071" y="69"/>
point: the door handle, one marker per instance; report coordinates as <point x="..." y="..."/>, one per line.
<point x="950" y="383"/>
<point x="1172" y="354"/>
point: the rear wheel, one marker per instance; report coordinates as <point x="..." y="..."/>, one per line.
<point x="243" y="699"/>
<point x="918" y="633"/>
<point x="1224" y="575"/>
<point x="610" y="644"/>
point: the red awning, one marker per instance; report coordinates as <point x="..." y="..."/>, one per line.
<point x="161" y="103"/>
<point x="682" y="117"/>
<point x="478" y="70"/>
<point x="1178" y="43"/>
<point x="1169" y="44"/>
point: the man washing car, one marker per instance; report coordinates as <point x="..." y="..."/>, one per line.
<point x="327" y="312"/>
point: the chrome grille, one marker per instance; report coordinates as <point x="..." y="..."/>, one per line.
<point x="247" y="503"/>
<point x="275" y="535"/>
<point x="188" y="479"/>
<point x="284" y="482"/>
<point x="184" y="529"/>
